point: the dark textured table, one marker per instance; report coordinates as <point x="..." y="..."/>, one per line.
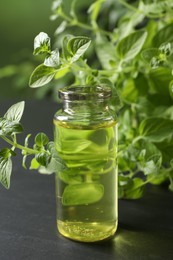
<point x="28" y="221"/>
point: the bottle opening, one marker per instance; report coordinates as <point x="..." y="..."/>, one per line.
<point x="85" y="93"/>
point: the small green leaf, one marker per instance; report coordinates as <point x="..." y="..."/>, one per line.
<point x="131" y="45"/>
<point x="134" y="189"/>
<point x="81" y="194"/>
<point x="105" y="51"/>
<point x="41" y="139"/>
<point x="164" y="35"/>
<point x="24" y="152"/>
<point x="165" y="48"/>
<point x="15" y="112"/>
<point x="99" y="137"/>
<point x="157" y="178"/>
<point x="94" y="9"/>
<point x="41" y="76"/>
<point x="160" y="79"/>
<point x="148" y="54"/>
<point x="52" y="60"/>
<point x="65" y="53"/>
<point x="5" y="153"/>
<point x="34" y="164"/>
<point x="41" y="44"/>
<point x="56" y="9"/>
<point x="24" y="161"/>
<point x="70" y="176"/>
<point x="56" y="4"/>
<point x="5" y="171"/>
<point x="11" y="127"/>
<point x="56" y="164"/>
<point x="156" y="129"/>
<point x="77" y="47"/>
<point x="61" y="27"/>
<point x="43" y="158"/>
<point x="152" y="8"/>
<point x="150" y="167"/>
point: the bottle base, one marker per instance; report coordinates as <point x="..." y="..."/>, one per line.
<point x="86" y="231"/>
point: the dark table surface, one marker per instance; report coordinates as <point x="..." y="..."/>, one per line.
<point x="28" y="220"/>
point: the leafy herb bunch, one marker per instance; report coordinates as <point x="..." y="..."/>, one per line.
<point x="130" y="48"/>
<point x="43" y="156"/>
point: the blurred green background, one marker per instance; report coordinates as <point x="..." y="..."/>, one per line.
<point x="20" y="22"/>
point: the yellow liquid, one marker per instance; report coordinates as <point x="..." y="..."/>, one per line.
<point x="87" y="232"/>
<point x="86" y="193"/>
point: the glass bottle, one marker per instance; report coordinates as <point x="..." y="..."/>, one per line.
<point x="85" y="134"/>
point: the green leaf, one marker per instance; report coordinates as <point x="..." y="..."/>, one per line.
<point x="24" y="152"/>
<point x="156" y="129"/>
<point x="152" y="8"/>
<point x="149" y="167"/>
<point x="56" y="164"/>
<point x="134" y="189"/>
<point x="34" y="164"/>
<point x="99" y="137"/>
<point x="165" y="48"/>
<point x="94" y="9"/>
<point x="5" y="172"/>
<point x="52" y="60"/>
<point x="41" y="44"/>
<point x="70" y="176"/>
<point x="77" y="47"/>
<point x="81" y="194"/>
<point x="105" y="51"/>
<point x="24" y="161"/>
<point x="131" y="45"/>
<point x="160" y="80"/>
<point x="15" y="112"/>
<point x="66" y="54"/>
<point x="11" y="127"/>
<point x="56" y="4"/>
<point x="41" y="139"/>
<point x="157" y="178"/>
<point x="5" y="153"/>
<point x="149" y="157"/>
<point x="61" y="28"/>
<point x="163" y="35"/>
<point x="41" y="76"/>
<point x="148" y="54"/>
<point x="43" y="158"/>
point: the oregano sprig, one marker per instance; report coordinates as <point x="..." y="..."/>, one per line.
<point x="42" y="155"/>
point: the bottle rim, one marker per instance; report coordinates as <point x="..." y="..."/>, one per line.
<point x="85" y="92"/>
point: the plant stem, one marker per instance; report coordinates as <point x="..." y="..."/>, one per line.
<point x="131" y="7"/>
<point x="75" y="22"/>
<point x="21" y="147"/>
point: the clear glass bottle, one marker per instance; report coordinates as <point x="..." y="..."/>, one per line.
<point x="85" y="134"/>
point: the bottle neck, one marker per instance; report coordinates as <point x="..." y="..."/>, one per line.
<point x="85" y="106"/>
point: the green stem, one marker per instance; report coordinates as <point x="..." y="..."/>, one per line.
<point x="75" y="22"/>
<point x="137" y="139"/>
<point x="21" y="147"/>
<point x="131" y="7"/>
